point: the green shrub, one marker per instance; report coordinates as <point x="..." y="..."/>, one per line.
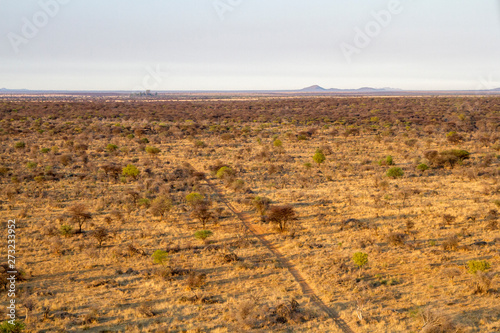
<point x="152" y="150"/>
<point x="360" y="259"/>
<point x="31" y="165"/>
<point x="131" y="171"/>
<point x="144" y="202"/>
<point x="203" y="234"/>
<point x="422" y="167"/>
<point x="144" y="140"/>
<point x="225" y="172"/>
<point x="459" y="153"/>
<point x="130" y="136"/>
<point x="160" y="257"/>
<point x="19" y="145"/>
<point x="194" y="197"/>
<point x="111" y="147"/>
<point x="7" y="327"/>
<point x="395" y="172"/>
<point x="277" y="143"/>
<point x="319" y="157"/>
<point x="66" y="230"/>
<point x="386" y="161"/>
<point x="44" y="150"/>
<point x="478" y="265"/>
<point x="301" y="137"/>
<point x="307" y="165"/>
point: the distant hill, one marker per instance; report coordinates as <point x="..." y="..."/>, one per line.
<point x="319" y="89"/>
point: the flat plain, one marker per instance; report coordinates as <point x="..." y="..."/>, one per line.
<point x="305" y="214"/>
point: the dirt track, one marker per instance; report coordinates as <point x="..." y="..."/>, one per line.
<point x="259" y="233"/>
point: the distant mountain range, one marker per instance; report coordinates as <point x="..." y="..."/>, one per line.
<point x="318" y="89"/>
<point x="315" y="89"/>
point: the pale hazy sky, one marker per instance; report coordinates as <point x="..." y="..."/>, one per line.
<point x="249" y="44"/>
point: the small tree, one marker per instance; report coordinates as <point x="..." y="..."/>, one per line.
<point x="160" y="206"/>
<point x="282" y="216"/>
<point x="79" y="215"/>
<point x="201" y="211"/>
<point x="160" y="257"/>
<point x="100" y="235"/>
<point x="360" y="259"/>
<point x="319" y="157"/>
<point x="131" y="171"/>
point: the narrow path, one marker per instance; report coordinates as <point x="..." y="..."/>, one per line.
<point x="259" y="232"/>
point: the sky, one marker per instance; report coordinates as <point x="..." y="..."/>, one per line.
<point x="249" y="44"/>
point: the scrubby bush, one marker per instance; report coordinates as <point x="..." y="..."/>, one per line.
<point x="79" y="215"/>
<point x="7" y="327"/>
<point x="111" y="147"/>
<point x="261" y="204"/>
<point x="360" y="259"/>
<point x="19" y="145"/>
<point x="422" y="167"/>
<point x="225" y="172"/>
<point x="131" y="171"/>
<point x="152" y="151"/>
<point x="194" y="197"/>
<point x="282" y="216"/>
<point x="160" y="257"/>
<point x="277" y="143"/>
<point x="160" y="206"/>
<point x="100" y="235"/>
<point x="319" y="157"/>
<point x="31" y="165"/>
<point x="386" y="161"/>
<point x="454" y="137"/>
<point x="66" y="230"/>
<point x="203" y="234"/>
<point x="477" y="265"/>
<point x="395" y="172"/>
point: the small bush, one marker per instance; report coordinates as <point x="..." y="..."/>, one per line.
<point x="282" y="216"/>
<point x="261" y="204"/>
<point x="111" y="147"/>
<point x="203" y="234"/>
<point x="44" y="150"/>
<point x="19" y="145"/>
<point x="31" y="165"/>
<point x="277" y="143"/>
<point x="66" y="230"/>
<point x="422" y="167"/>
<point x="225" y="172"/>
<point x="131" y="171"/>
<point x="152" y="150"/>
<point x="395" y="172"/>
<point x="360" y="259"/>
<point x="160" y="257"/>
<point x="194" y="197"/>
<point x="319" y="157"/>
<point x="7" y="327"/>
<point x="386" y="161"/>
<point x="477" y="265"/>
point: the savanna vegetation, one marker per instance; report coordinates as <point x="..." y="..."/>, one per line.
<point x="310" y="214"/>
